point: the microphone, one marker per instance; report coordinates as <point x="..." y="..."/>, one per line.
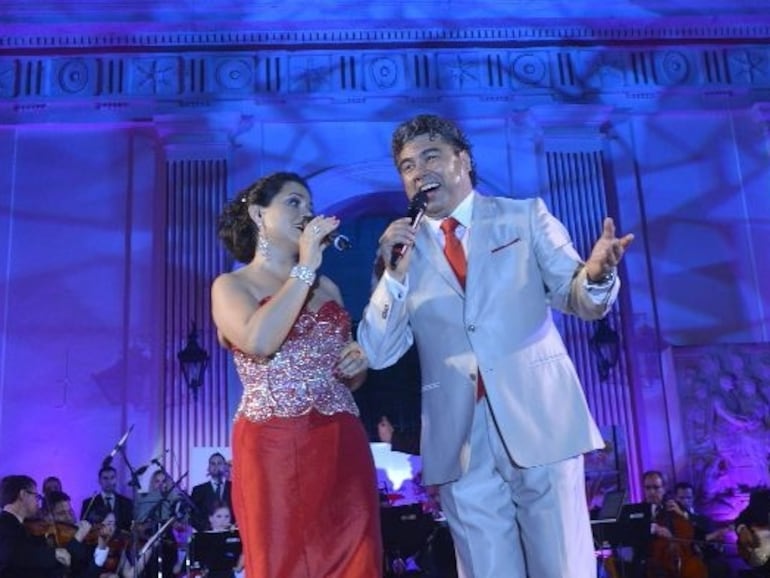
<point x="156" y="461"/>
<point x="140" y="471"/>
<point x="339" y="241"/>
<point x="118" y="446"/>
<point x="335" y="239"/>
<point x="416" y="212"/>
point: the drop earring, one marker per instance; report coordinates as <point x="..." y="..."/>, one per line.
<point x="263" y="245"/>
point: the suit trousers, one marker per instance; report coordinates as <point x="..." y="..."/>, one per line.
<point x="513" y="522"/>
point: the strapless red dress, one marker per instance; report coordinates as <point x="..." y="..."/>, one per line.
<point x="304" y="484"/>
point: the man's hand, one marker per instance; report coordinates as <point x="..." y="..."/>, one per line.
<point x="607" y="252"/>
<point x="398" y="234"/>
<point x="62" y="556"/>
<point x="84" y="527"/>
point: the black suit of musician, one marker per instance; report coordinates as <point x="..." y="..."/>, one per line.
<point x="96" y="507"/>
<point x="204" y="495"/>
<point x="22" y="555"/>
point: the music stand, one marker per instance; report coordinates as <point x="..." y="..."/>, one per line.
<point x="216" y="551"/>
<point x="405" y="530"/>
<point x="605" y="526"/>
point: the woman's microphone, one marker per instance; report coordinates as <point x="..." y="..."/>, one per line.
<point x="335" y="238"/>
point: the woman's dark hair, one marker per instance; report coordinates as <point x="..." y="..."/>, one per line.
<point x="434" y="126"/>
<point x="236" y="230"/>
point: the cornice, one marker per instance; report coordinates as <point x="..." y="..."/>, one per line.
<point x="26" y="38"/>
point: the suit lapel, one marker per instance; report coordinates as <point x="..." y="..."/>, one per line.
<point x="434" y="254"/>
<point x="485" y="225"/>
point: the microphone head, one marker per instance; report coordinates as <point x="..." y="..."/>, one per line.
<point x="418" y="204"/>
<point x="341" y="242"/>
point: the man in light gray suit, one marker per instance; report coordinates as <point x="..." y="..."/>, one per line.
<point x="505" y="422"/>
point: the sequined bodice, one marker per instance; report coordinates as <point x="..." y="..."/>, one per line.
<point x="300" y="376"/>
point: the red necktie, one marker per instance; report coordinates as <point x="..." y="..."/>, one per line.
<point x="453" y="249"/>
<point x="455" y="254"/>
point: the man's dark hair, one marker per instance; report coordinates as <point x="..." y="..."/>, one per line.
<point x="215" y="454"/>
<point x="55" y="497"/>
<point x="684" y="486"/>
<point x="12" y="485"/>
<point x="435" y="127"/>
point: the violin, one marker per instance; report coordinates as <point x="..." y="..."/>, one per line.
<point x="57" y="534"/>
<point x="675" y="557"/>
<point x="117" y="544"/>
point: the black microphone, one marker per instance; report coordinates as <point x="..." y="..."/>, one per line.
<point x="156" y="461"/>
<point x="118" y="446"/>
<point x="415" y="212"/>
<point x="140" y="471"/>
<point x="335" y="238"/>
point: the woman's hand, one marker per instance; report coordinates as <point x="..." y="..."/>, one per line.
<point x="313" y="240"/>
<point x="352" y="365"/>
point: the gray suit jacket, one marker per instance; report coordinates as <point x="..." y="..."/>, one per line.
<point x="521" y="263"/>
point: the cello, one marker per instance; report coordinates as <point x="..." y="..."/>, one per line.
<point x="674" y="556"/>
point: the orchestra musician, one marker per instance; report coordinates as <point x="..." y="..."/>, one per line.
<point x="217" y="489"/>
<point x="753" y="529"/>
<point x="22" y="555"/>
<point x="218" y="551"/>
<point x="108" y="500"/>
<point x="667" y="549"/>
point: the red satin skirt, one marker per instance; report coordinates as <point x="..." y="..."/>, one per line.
<point x="305" y="498"/>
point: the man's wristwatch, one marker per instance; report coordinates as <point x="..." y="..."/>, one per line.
<point x="605" y="280"/>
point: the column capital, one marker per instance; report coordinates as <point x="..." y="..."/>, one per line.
<point x="201" y="136"/>
<point x="570" y="123"/>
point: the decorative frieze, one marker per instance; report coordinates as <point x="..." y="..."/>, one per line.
<point x="126" y="74"/>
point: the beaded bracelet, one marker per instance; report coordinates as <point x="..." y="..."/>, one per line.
<point x="304" y="274"/>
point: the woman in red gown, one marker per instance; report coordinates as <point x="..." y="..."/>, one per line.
<point x="304" y="484"/>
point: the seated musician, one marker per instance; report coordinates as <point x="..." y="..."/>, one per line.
<point x="23" y="555"/>
<point x="753" y="529"/>
<point x="162" y="502"/>
<point x="108" y="500"/>
<point x="400" y="441"/>
<point x="669" y="542"/>
<point x="218" y="550"/>
<point x="217" y="489"/>
<point x="76" y="537"/>
<point x="50" y="484"/>
<point x="709" y="539"/>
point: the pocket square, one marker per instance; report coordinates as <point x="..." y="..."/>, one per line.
<point x="508" y="244"/>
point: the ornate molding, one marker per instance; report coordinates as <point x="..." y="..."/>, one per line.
<point x="141" y="80"/>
